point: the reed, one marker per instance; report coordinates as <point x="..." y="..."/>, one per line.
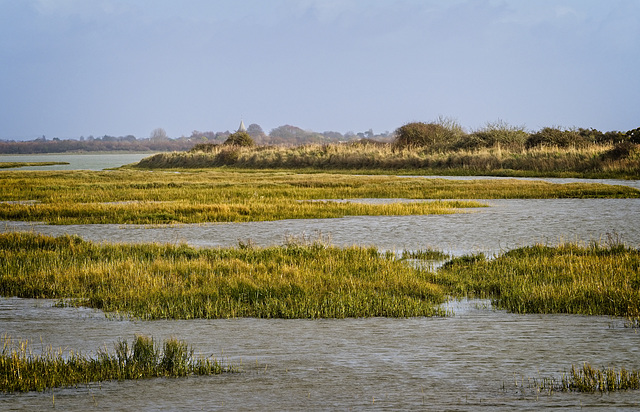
<point x="593" y="160"/>
<point x="237" y="196"/>
<point x="23" y="370"/>
<point x="593" y="279"/>
<point x="180" y="282"/>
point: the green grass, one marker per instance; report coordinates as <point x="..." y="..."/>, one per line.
<point x="77" y="197"/>
<point x="569" y="278"/>
<point x="180" y="282"/>
<point x="589" y="379"/>
<point x="22" y="370"/>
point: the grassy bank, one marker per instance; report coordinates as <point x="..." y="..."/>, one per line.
<point x="22" y="370"/>
<point x="593" y="161"/>
<point x="73" y="197"/>
<point x="179" y="282"/>
<point x="589" y="279"/>
<point x="7" y="165"/>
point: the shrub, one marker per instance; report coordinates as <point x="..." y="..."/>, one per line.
<point x="495" y="133"/>
<point x="554" y="136"/>
<point x="442" y="134"/>
<point x="239" y="138"/>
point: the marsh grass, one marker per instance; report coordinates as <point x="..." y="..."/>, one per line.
<point x="501" y="159"/>
<point x="180" y="282"/>
<point x="22" y="369"/>
<point x="593" y="279"/>
<point x="7" y="165"/>
<point x="590" y="379"/>
<point x="79" y="197"/>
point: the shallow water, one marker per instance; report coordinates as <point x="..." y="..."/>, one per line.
<point x="505" y="225"/>
<point x="84" y="161"/>
<point x="468" y="361"/>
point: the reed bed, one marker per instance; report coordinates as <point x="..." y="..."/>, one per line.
<point x="591" y="161"/>
<point x="590" y="379"/>
<point x="78" y="197"/>
<point x="23" y="370"/>
<point x="180" y="282"/>
<point x="594" y="279"/>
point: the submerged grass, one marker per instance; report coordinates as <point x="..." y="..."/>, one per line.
<point x="180" y="282"/>
<point x="592" y="279"/>
<point x="22" y="370"/>
<point x="78" y="197"/>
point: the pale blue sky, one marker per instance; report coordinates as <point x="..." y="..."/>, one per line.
<point x="93" y="67"/>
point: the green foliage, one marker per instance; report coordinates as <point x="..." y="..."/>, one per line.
<point x="239" y="138"/>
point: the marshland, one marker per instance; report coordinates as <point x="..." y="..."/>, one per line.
<point x="541" y="279"/>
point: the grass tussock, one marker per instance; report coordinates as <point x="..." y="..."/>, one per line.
<point x="502" y="159"/>
<point x="79" y="197"/>
<point x="590" y="279"/>
<point x="180" y="282"/>
<point x="590" y="379"/>
<point x="23" y="370"/>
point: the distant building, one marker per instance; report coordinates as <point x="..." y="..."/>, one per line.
<point x="241" y="128"/>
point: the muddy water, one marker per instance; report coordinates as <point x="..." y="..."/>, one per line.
<point x="477" y="359"/>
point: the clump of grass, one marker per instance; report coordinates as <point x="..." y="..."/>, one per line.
<point x="151" y="281"/>
<point x="590" y="379"/>
<point x="22" y="370"/>
<point x="594" y="279"/>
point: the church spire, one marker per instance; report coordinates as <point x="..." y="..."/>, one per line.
<point x="241" y="128"/>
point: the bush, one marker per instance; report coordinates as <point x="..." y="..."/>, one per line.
<point x="439" y="135"/>
<point x="496" y="133"/>
<point x="239" y="138"/>
<point x="555" y="137"/>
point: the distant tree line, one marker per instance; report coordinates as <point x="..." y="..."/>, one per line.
<point x="443" y="134"/>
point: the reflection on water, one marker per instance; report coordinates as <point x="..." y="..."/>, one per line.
<point x="459" y="362"/>
<point x="505" y="225"/>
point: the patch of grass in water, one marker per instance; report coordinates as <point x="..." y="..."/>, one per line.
<point x="594" y="279"/>
<point x="21" y="370"/>
<point x="151" y="281"/>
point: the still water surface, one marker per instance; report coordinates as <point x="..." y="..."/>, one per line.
<point x="468" y="361"/>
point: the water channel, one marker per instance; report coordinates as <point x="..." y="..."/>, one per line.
<point x="478" y="358"/>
